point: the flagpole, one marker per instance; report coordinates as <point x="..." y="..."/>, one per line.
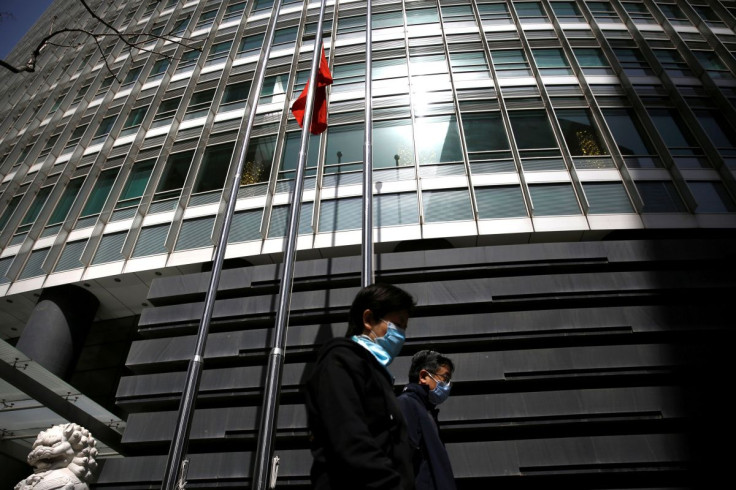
<point x="367" y="245"/>
<point x="175" y="471"/>
<point x="264" y="453"/>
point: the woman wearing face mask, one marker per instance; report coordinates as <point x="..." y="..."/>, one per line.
<point x="429" y="386"/>
<point x="358" y="434"/>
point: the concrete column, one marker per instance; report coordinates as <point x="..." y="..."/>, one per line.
<point x="55" y="332"/>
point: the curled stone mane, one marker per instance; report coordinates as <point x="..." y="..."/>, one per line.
<point x="62" y="457"/>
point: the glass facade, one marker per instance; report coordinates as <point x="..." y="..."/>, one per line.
<point x="483" y="111"/>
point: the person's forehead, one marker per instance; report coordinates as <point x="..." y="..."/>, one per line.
<point x="444" y="369"/>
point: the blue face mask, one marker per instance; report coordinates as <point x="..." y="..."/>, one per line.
<point x="385" y="349"/>
<point x="393" y="340"/>
<point x="440" y="393"/>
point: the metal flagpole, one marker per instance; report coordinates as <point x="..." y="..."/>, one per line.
<point x="367" y="248"/>
<point x="264" y="453"/>
<point x="175" y="471"/>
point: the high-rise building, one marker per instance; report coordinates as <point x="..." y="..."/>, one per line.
<point x="553" y="181"/>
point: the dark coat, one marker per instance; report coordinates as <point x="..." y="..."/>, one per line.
<point x="358" y="435"/>
<point x="432" y="469"/>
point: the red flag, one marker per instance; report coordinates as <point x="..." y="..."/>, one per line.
<point x="319" y="115"/>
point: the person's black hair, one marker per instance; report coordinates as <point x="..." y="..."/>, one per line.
<point x="381" y="299"/>
<point x="429" y="360"/>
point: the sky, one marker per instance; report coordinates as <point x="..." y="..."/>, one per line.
<point x="17" y="18"/>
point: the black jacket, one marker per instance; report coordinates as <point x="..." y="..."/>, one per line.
<point x="359" y="438"/>
<point x="432" y="469"/>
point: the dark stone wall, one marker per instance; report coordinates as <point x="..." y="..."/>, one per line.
<point x="587" y="364"/>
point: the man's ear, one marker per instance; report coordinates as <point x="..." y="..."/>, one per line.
<point x="423" y="375"/>
<point x="368" y="319"/>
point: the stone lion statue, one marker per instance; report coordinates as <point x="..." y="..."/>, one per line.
<point x="63" y="457"/>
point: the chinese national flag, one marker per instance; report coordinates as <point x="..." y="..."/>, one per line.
<point x="319" y="114"/>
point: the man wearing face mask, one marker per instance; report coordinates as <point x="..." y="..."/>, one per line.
<point x="358" y="434"/>
<point x="429" y="385"/>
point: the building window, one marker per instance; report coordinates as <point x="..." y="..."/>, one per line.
<point x="70" y="256"/>
<point x="290" y="156"/>
<point x="631" y="138"/>
<point x="250" y="44"/>
<point x="438" y="140"/>
<point x="422" y="16"/>
<point x="215" y="164"/>
<point x="395" y="209"/>
<point x="200" y="103"/>
<point x="101" y="190"/>
<point x="165" y="113"/>
<point x="340" y="214"/>
<point x="510" y="63"/>
<point x="387" y="19"/>
<point x="502" y="201"/>
<point x="485" y="136"/>
<point x="607" y="198"/>
<point x="287" y="35"/>
<point x="592" y="61"/>
<point x="678" y="138"/>
<point x="234" y="11"/>
<point x="280" y="217"/>
<point x="195" y="233"/>
<point x="494" y="14"/>
<point x="258" y="160"/>
<point x="134" y="120"/>
<point x="74" y="138"/>
<point x="533" y="133"/>
<point x="660" y="197"/>
<point x="131" y="76"/>
<point x="712" y="64"/>
<point x="551" y="62"/>
<point x="530" y="12"/>
<point x="33" y="267"/>
<point x="393" y="144"/>
<point x="218" y="52"/>
<point x="274" y="89"/>
<point x="673" y="63"/>
<point x="36" y="206"/>
<point x="151" y="241"/>
<point x="110" y="248"/>
<point x="446" y="205"/>
<point x="553" y="200"/>
<point x="235" y="96"/>
<point x="206" y="20"/>
<point x="68" y="197"/>
<point x="246" y="226"/>
<point x="720" y="132"/>
<point x="633" y="62"/>
<point x="5" y="216"/>
<point x="344" y="148"/>
<point x="174" y="175"/>
<point x="581" y="135"/>
<point x="159" y="69"/>
<point x="104" y="129"/>
<point x="136" y="184"/>
<point x="567" y="12"/>
<point x="188" y="60"/>
<point x="712" y="197"/>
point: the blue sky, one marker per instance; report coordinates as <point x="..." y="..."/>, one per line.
<point x="17" y="18"/>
